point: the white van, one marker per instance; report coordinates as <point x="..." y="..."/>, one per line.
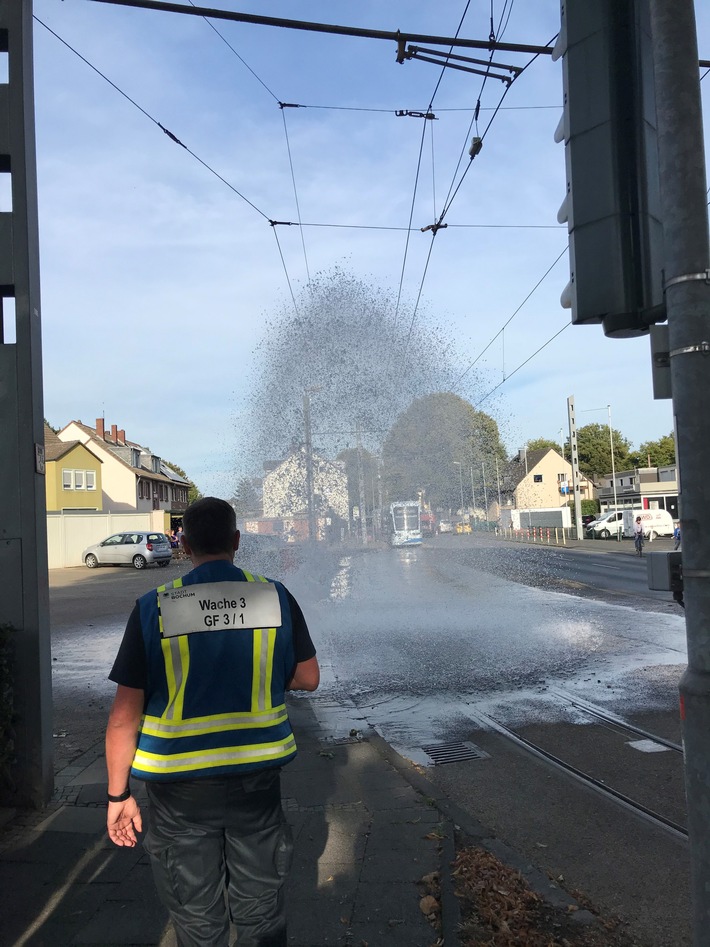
<point x="654" y="522"/>
<point x="606" y="525"/>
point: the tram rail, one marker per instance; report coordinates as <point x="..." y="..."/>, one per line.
<point x="657" y="819"/>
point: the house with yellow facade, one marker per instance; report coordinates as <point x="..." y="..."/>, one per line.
<point x="72" y="475"/>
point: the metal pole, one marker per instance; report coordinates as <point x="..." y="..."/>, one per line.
<point x="574" y="460"/>
<point x="24" y="603"/>
<point x="500" y="502"/>
<point x="310" y="505"/>
<point x="361" y="487"/>
<point x="473" y="496"/>
<point x="686" y="259"/>
<point x="485" y="492"/>
<point x="611" y="444"/>
<point x="457" y="463"/>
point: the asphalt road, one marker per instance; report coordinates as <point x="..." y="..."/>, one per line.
<point x="606" y="570"/>
<point x="418" y="643"/>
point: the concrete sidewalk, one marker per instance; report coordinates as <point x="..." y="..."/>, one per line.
<point x="365" y="837"/>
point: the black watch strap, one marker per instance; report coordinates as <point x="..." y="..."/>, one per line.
<point x="122" y="798"/>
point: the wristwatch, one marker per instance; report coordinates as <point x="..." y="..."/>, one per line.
<point x="122" y="798"/>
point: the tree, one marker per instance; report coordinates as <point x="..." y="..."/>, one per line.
<point x="192" y="492"/>
<point x="660" y="453"/>
<point x="246" y="500"/>
<point x="436" y="447"/>
<point x="361" y="358"/>
<point x="594" y="450"/>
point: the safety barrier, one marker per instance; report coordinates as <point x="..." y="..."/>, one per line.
<point x="547" y="535"/>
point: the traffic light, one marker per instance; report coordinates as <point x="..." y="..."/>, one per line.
<point x="612" y="205"/>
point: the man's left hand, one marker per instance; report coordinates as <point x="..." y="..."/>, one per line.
<point x="123" y="820"/>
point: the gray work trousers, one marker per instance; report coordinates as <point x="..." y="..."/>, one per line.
<point x="220" y="850"/>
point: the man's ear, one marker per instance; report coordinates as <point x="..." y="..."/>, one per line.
<point x="237" y="537"/>
<point x="185" y="545"/>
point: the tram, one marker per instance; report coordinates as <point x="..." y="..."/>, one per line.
<point x="406" y="523"/>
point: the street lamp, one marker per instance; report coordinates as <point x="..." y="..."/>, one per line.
<point x="485" y="491"/>
<point x="457" y="463"/>
<point x="473" y="499"/>
<point x="611" y="445"/>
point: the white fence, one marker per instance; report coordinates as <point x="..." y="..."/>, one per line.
<point x="68" y="534"/>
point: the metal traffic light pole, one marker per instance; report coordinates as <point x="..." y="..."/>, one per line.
<point x="687" y="291"/>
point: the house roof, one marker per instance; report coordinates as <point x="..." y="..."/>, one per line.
<point x="54" y="448"/>
<point x="519" y="467"/>
<point x="110" y="444"/>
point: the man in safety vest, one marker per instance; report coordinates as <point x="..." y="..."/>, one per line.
<point x="200" y="715"/>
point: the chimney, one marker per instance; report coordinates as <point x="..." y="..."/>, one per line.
<point x="100" y="428"/>
<point x="114" y="433"/>
<point x="122" y="437"/>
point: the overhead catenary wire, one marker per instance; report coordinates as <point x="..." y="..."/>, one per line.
<point x="510" y="318"/>
<point x="182" y="145"/>
<point x="414" y="194"/>
<point x="155" y="121"/>
<point x="295" y="190"/>
<point x="288" y="143"/>
<point x="523" y="364"/>
<point x="240" y="58"/>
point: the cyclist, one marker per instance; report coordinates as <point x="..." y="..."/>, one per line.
<point x="638" y="536"/>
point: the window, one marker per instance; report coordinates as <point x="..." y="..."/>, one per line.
<point x="135" y="457"/>
<point x="537" y="478"/>
<point x="78" y="479"/>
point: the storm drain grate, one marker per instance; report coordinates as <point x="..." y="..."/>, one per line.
<point x="441" y="753"/>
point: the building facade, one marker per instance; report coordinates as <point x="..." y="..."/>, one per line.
<point x="642" y="488"/>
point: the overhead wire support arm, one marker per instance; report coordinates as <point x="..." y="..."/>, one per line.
<point x="439" y="57"/>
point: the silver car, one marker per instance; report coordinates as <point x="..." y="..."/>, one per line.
<point x="122" y="549"/>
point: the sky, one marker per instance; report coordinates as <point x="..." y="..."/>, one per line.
<point x="159" y="266"/>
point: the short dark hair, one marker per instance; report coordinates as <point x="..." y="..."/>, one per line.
<point x="209" y="525"/>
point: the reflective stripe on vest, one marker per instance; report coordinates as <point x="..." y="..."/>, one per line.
<point x="171" y="725"/>
<point x="208" y="759"/>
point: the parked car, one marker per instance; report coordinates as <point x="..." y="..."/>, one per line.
<point x="463" y="528"/>
<point x="587" y="518"/>
<point x="138" y="549"/>
<point x="445" y="527"/>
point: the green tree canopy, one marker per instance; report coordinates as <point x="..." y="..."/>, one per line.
<point x="246" y="500"/>
<point x="594" y="450"/>
<point x="438" y="446"/>
<point x="660" y="453"/>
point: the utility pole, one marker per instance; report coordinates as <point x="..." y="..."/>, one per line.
<point x="310" y="505"/>
<point x="473" y="501"/>
<point x="613" y="465"/>
<point x="687" y="291"/>
<point x="485" y="491"/>
<point x="24" y="596"/>
<point x="574" y="460"/>
<point x="361" y="486"/>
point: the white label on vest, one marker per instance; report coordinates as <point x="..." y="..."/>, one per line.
<point x="219" y="606"/>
